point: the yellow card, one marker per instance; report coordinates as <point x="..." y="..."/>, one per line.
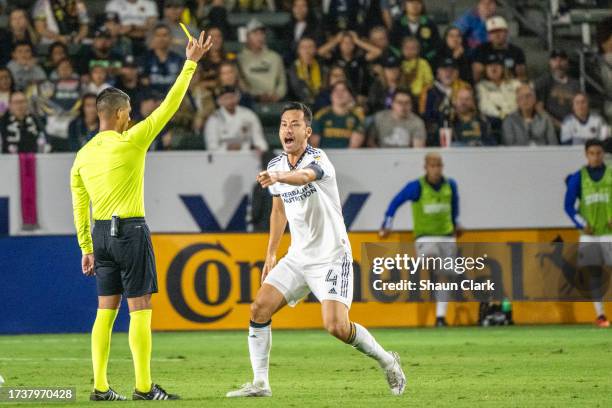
<point x="185" y="30"/>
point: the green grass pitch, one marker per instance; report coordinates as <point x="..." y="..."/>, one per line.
<point x="532" y="366"/>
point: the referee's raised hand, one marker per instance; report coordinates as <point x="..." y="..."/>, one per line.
<point x="197" y="48"/>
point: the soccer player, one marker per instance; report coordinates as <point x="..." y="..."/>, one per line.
<point x="435" y="209"/>
<point x="109" y="172"/>
<point x="302" y="182"/>
<point x="591" y="186"/>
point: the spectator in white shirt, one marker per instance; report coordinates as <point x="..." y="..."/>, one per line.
<point x="135" y="16"/>
<point x="582" y="125"/>
<point x="233" y="127"/>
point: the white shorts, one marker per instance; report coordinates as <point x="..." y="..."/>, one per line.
<point x="333" y="281"/>
<point x="595" y="250"/>
<point x="442" y="247"/>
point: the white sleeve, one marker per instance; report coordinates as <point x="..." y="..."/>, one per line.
<point x="566" y="131"/>
<point x="259" y="140"/>
<point x="211" y="133"/>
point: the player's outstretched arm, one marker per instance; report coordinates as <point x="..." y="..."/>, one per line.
<point x="145" y="132"/>
<point x="278" y="223"/>
<point x="295" y="178"/>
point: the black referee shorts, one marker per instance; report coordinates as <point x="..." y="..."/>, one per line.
<point x="125" y="264"/>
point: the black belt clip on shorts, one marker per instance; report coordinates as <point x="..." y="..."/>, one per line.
<point x="114" y="229"/>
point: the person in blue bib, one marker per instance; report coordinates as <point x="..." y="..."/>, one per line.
<point x="435" y="210"/>
<point x="591" y="186"/>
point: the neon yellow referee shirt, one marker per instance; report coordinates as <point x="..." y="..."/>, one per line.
<point x="109" y="169"/>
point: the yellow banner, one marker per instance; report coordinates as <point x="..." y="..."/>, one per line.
<point x="207" y="281"/>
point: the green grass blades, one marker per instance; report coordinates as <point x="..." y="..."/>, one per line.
<point x="533" y="366"/>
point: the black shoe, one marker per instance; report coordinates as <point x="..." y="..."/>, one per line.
<point x="109" y="395"/>
<point x="441" y="322"/>
<point x="156" y="393"/>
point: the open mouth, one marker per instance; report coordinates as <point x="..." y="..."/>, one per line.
<point x="288" y="141"/>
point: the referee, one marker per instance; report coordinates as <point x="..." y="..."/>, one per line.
<point x="109" y="172"/>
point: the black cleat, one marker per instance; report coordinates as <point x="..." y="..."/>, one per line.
<point x="109" y="395"/>
<point x="441" y="322"/>
<point x="157" y="393"/>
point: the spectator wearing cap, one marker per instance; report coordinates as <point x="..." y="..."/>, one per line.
<point x="349" y="51"/>
<point x="582" y="124"/>
<point x="306" y="74"/>
<point x="216" y="56"/>
<point x="64" y="21"/>
<point x="555" y="89"/>
<point x="173" y="10"/>
<point x="435" y="104"/>
<point x="467" y="126"/>
<point x="160" y="65"/>
<point x="350" y="15"/>
<point x="496" y="93"/>
<point x="416" y="23"/>
<point x="527" y="126"/>
<point x="416" y="71"/>
<point x="7" y="86"/>
<point x="99" y="53"/>
<point x="398" y="126"/>
<point x="383" y="89"/>
<point x="512" y="56"/>
<point x="86" y="125"/>
<point x="19" y="30"/>
<point x="262" y="68"/>
<point x="21" y="131"/>
<point x="473" y="23"/>
<point x="335" y="74"/>
<point x="128" y="81"/>
<point x="340" y="125"/>
<point x="303" y="23"/>
<point x="233" y="127"/>
<point x="121" y="44"/>
<point x="24" y="68"/>
<point x="453" y="48"/>
<point x="136" y="17"/>
<point x="58" y="51"/>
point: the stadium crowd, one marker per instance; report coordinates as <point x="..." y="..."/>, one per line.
<point x="376" y="74"/>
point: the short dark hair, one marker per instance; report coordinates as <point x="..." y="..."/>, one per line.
<point x="301" y="107"/>
<point x="346" y="84"/>
<point x="403" y="91"/>
<point x="110" y="100"/>
<point x="593" y="142"/>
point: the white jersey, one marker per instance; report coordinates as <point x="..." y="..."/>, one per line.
<point x="314" y="213"/>
<point x="577" y="132"/>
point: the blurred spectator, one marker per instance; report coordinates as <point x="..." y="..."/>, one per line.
<point x="512" y="56"/>
<point x="496" y="93"/>
<point x="527" y="126"/>
<point x="100" y="53"/>
<point x="347" y="50"/>
<point x="391" y="10"/>
<point x="230" y="76"/>
<point x="233" y="127"/>
<point x="555" y="89"/>
<point x="215" y="57"/>
<point x="20" y="130"/>
<point x="604" y="41"/>
<point x="203" y="99"/>
<point x="435" y="104"/>
<point x="98" y="81"/>
<point x="85" y="126"/>
<point x="23" y="66"/>
<point x="335" y="74"/>
<point x="339" y="125"/>
<point x="582" y="125"/>
<point x="415" y="23"/>
<point x="416" y="72"/>
<point x="453" y="47"/>
<point x="65" y="21"/>
<point x="6" y="87"/>
<point x="214" y="12"/>
<point x="381" y="92"/>
<point x="58" y="51"/>
<point x="473" y="23"/>
<point x="466" y="126"/>
<point x="161" y="65"/>
<point x="304" y="23"/>
<point x="58" y="101"/>
<point x="128" y="81"/>
<point x="121" y="44"/>
<point x="379" y="37"/>
<point x="306" y="74"/>
<point x="351" y="15"/>
<point x="19" y="30"/>
<point x="262" y="68"/>
<point x="398" y="126"/>
<point x="261" y="201"/>
<point x="173" y="9"/>
<point x="136" y="17"/>
<point x="252" y="5"/>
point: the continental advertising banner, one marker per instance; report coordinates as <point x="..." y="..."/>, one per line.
<point x="207" y="281"/>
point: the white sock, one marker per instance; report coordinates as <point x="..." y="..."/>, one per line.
<point x="367" y="344"/>
<point x="441" y="309"/>
<point x="599" y="308"/>
<point x="260" y="342"/>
